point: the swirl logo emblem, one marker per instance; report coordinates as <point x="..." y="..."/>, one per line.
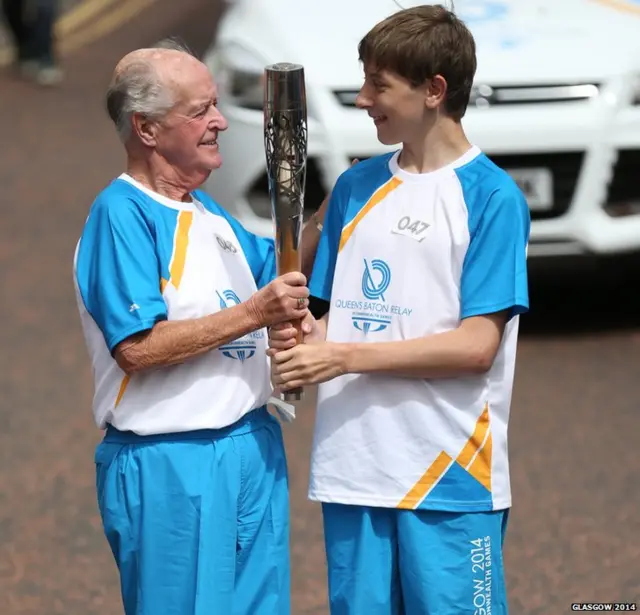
<point x="373" y="316"/>
<point x="245" y="347"/>
<point x="228" y="296"/>
<point x="376" y="279"/>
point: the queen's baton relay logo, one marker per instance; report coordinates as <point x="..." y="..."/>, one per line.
<point x="374" y="286"/>
<point x="376" y="313"/>
<point x="245" y="347"/>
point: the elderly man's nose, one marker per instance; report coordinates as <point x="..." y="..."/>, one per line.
<point x="218" y="120"/>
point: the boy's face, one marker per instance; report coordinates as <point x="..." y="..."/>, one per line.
<point x="399" y="111"/>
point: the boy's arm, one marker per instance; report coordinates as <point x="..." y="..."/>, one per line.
<point x="469" y="349"/>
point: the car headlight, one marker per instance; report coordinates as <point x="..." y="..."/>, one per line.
<point x="240" y="73"/>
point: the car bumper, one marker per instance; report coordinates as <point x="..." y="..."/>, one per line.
<point x="592" y="150"/>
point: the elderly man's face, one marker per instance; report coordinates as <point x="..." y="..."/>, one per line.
<point x="188" y="136"/>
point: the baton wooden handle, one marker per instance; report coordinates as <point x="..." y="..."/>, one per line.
<point x="288" y="261"/>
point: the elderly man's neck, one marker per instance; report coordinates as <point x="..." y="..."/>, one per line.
<point x="164" y="179"/>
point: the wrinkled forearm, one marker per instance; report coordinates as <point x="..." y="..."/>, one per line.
<point x="171" y="342"/>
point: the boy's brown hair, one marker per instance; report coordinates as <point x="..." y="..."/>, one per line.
<point x="421" y="42"/>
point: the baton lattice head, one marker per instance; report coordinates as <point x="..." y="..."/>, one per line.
<point x="286" y="153"/>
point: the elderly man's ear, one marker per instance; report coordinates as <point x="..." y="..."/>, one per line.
<point x="145" y="129"/>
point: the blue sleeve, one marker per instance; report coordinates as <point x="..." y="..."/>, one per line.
<point x="494" y="272"/>
<point x="118" y="272"/>
<point x="259" y="251"/>
<point x="324" y="265"/>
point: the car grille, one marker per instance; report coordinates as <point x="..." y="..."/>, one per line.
<point x="487" y="96"/>
<point x="491" y="96"/>
<point x="624" y="186"/>
<point x="564" y="167"/>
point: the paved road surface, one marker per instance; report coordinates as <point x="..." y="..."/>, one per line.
<point x="575" y="528"/>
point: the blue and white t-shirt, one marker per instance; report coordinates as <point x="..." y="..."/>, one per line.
<point x="143" y="258"/>
<point x="403" y="256"/>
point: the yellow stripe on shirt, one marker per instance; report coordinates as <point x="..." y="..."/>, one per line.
<point x="379" y="195"/>
<point x="181" y="242"/>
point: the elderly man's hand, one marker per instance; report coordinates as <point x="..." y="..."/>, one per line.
<point x="283" y="300"/>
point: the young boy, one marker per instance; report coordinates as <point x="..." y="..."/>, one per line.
<point x="423" y="263"/>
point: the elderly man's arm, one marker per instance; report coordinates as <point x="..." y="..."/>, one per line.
<point x="176" y="341"/>
<point x="170" y="342"/>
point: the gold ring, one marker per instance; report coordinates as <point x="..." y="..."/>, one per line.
<point x="300" y="302"/>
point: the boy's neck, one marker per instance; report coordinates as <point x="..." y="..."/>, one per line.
<point x="441" y="144"/>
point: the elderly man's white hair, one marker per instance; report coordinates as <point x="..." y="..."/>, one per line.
<point x="137" y="87"/>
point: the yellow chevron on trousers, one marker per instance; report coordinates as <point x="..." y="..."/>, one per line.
<point x="480" y="468"/>
<point x="426" y="482"/>
<point x="474" y="443"/>
<point x="475" y="458"/>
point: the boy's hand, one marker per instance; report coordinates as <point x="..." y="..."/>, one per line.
<point x="306" y="364"/>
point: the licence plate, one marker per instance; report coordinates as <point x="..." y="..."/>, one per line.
<point x="537" y="186"/>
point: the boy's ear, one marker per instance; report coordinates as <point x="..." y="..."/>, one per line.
<point x="436" y="91"/>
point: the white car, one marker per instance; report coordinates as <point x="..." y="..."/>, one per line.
<point x="556" y="103"/>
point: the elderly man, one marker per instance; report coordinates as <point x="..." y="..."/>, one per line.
<point x="174" y="297"/>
